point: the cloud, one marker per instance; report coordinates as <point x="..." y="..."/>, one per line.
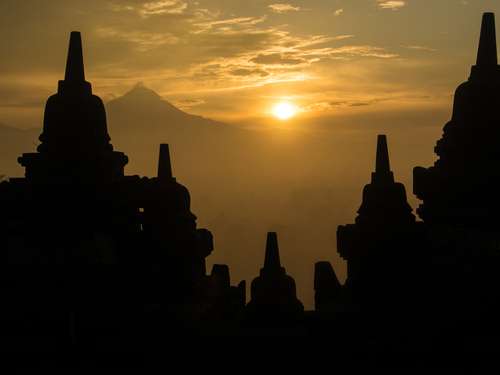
<point x="276" y="58"/>
<point x="189" y="103"/>
<point x="226" y="54"/>
<point x="420" y="48"/>
<point x="353" y="103"/>
<point x="163" y="7"/>
<point x="249" y="72"/>
<point x="228" y="25"/>
<point x="283" y="8"/>
<point x="391" y="4"/>
<point x="257" y="56"/>
<point x="338" y="12"/>
<point x="342" y="37"/>
<point x="153" y="8"/>
<point x="143" y="40"/>
<point x="363" y="51"/>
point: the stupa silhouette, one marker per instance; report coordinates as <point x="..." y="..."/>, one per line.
<point x="102" y="251"/>
<point x="273" y="291"/>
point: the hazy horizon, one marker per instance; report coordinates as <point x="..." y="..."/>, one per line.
<point x="244" y="183"/>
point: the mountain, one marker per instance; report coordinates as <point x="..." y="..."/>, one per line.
<point x="156" y="114"/>
<point x="141" y="119"/>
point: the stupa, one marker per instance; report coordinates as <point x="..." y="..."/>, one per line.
<point x="273" y="292"/>
<point x="97" y="254"/>
<point x="462" y="186"/>
<point x="381" y="247"/>
<point x="75" y="141"/>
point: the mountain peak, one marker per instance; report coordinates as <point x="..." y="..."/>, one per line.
<point x="142" y="105"/>
<point x="141" y="91"/>
<point x="146" y="99"/>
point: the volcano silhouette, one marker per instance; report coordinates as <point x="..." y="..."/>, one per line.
<point x="154" y="113"/>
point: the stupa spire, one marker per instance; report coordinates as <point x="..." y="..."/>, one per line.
<point x="75" y="131"/>
<point x="382" y="163"/>
<point x="487" y="51"/>
<point x="74" y="64"/>
<point x="324" y="276"/>
<point x="272" y="258"/>
<point x="164" y="165"/>
<point x="273" y="290"/>
<point x="327" y="287"/>
<point x="383" y="172"/>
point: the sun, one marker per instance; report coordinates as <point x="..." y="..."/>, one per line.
<point x="284" y="110"/>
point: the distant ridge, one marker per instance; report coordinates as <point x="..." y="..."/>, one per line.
<point x="154" y="111"/>
<point x="141" y="119"/>
<point x="142" y="95"/>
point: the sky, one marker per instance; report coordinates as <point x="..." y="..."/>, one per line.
<point x="233" y="60"/>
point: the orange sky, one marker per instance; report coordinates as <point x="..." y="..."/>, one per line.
<point x="232" y="60"/>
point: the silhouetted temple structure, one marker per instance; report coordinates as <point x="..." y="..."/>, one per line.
<point x="460" y="192"/>
<point x="384" y="237"/>
<point x="91" y="255"/>
<point x="273" y="293"/>
<point x="460" y="189"/>
<point x="94" y="259"/>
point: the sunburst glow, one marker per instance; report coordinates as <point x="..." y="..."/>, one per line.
<point x="284" y="110"/>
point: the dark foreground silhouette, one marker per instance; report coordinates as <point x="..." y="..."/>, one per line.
<point x="96" y="261"/>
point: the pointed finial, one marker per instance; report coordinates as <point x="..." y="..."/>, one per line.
<point x="487" y="52"/>
<point x="327" y="287"/>
<point x="74" y="64"/>
<point x="383" y="174"/>
<point x="272" y="259"/>
<point x="324" y="276"/>
<point x="220" y="273"/>
<point x="164" y="166"/>
<point x="382" y="164"/>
